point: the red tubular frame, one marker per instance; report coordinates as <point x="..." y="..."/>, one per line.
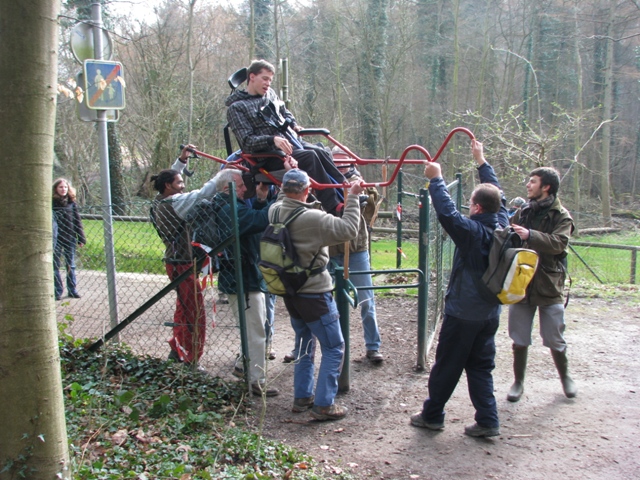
<point x="236" y="163"/>
<point x="399" y="162"/>
<point x="356" y="159"/>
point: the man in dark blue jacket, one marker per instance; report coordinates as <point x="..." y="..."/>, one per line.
<point x="466" y="340"/>
<point x="252" y="221"/>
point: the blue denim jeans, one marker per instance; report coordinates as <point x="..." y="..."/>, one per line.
<point x="359" y="262"/>
<point x="467" y="345"/>
<point x="316" y="315"/>
<point x="68" y="250"/>
<point x="269" y="323"/>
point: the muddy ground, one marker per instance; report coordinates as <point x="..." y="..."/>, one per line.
<point x="593" y="436"/>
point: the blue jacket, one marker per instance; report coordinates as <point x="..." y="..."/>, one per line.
<point x="252" y="221"/>
<point x="472" y="238"/>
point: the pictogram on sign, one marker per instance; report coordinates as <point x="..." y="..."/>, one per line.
<point x="104" y="85"/>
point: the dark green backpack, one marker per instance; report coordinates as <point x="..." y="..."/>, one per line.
<point x="279" y="262"/>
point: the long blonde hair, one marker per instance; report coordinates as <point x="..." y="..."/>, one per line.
<point x="71" y="193"/>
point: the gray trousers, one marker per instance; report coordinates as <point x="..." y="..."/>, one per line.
<point x="551" y="325"/>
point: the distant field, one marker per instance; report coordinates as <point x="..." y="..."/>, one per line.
<point x="138" y="249"/>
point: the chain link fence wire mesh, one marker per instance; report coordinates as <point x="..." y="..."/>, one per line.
<point x="398" y="230"/>
<point x="141" y="273"/>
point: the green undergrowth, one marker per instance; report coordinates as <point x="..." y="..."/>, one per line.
<point x="142" y="418"/>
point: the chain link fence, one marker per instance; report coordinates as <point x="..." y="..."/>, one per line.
<point x="141" y="274"/>
<point x="399" y="227"/>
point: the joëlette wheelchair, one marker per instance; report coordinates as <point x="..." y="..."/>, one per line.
<point x="268" y="167"/>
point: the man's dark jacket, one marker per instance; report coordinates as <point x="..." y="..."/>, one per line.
<point x="472" y="237"/>
<point x="550" y="238"/>
<point x="252" y="221"/>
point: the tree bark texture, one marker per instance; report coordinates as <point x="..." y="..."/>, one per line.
<point x="607" y="111"/>
<point x="33" y="434"/>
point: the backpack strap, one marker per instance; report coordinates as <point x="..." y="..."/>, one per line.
<point x="295" y="214"/>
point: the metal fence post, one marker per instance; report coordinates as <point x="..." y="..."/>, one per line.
<point x="237" y="256"/>
<point x="423" y="289"/>
<point x="399" y="223"/>
<point x="343" y="311"/>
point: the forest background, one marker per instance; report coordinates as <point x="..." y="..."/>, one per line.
<point x="543" y="82"/>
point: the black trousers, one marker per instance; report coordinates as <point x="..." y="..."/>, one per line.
<point x="318" y="163"/>
<point x="467" y="345"/>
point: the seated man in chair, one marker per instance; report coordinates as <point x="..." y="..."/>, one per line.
<point x="261" y="123"/>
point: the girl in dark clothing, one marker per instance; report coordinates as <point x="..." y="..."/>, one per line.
<point x="70" y="233"/>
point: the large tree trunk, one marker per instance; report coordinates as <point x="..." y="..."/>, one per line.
<point x="607" y="109"/>
<point x="456" y="53"/>
<point x="33" y="433"/>
<point x="373" y="59"/>
<point x="577" y="167"/>
<point x="118" y="200"/>
<point x="263" y="29"/>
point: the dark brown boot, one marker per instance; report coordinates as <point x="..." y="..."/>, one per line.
<point x="519" y="369"/>
<point x="562" y="365"/>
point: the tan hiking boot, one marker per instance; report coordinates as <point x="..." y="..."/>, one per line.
<point x="374" y="356"/>
<point x="302" y="404"/>
<point x="332" y="412"/>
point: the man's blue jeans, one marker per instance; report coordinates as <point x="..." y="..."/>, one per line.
<point x="359" y="262"/>
<point x="316" y="315"/>
<point x="269" y="323"/>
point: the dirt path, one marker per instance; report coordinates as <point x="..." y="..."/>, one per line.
<point x="545" y="435"/>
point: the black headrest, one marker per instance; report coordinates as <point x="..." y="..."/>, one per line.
<point x="237" y="78"/>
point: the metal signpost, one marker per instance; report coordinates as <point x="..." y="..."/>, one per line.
<point x="103" y="97"/>
<point x="107" y="220"/>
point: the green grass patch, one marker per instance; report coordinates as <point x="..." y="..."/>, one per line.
<point x="138" y="249"/>
<point x="384" y="254"/>
<point x="588" y="289"/>
<point x="620" y="238"/>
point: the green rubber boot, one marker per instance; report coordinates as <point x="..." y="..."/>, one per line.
<point x="562" y="365"/>
<point x="519" y="368"/>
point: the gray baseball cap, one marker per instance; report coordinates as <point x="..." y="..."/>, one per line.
<point x="518" y="202"/>
<point x="295" y="181"/>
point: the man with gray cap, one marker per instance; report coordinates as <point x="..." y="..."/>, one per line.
<point x="313" y="310"/>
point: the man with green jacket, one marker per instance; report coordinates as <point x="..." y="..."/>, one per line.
<point x="545" y="226"/>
